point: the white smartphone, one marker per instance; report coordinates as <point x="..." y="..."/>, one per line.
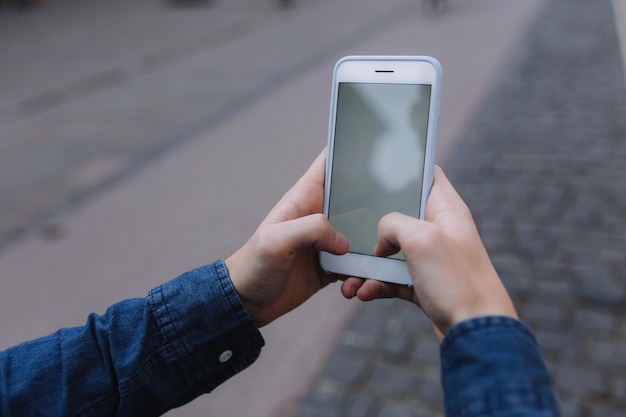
<point x="381" y="154"/>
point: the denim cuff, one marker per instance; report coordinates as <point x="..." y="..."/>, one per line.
<point x="492" y="366"/>
<point x="485" y="323"/>
<point x="207" y="330"/>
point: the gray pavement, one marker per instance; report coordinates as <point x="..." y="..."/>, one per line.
<point x="119" y="172"/>
<point x="71" y="67"/>
<point x="156" y="76"/>
<point x="542" y="168"/>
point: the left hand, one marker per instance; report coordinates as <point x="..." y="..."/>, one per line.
<point x="278" y="268"/>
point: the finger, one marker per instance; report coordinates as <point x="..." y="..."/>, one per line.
<point x="445" y="205"/>
<point x="309" y="231"/>
<point x="313" y="178"/>
<point x="374" y="290"/>
<point x="350" y="286"/>
<point x="391" y="230"/>
<point x="368" y="290"/>
<point x="441" y="183"/>
<point x="317" y="170"/>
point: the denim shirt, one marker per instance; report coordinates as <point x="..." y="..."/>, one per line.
<point x="491" y="366"/>
<point x="146" y="356"/>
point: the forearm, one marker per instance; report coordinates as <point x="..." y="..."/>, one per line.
<point x="143" y="357"/>
<point x="491" y="366"/>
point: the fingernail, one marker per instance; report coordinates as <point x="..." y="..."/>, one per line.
<point x="340" y="241"/>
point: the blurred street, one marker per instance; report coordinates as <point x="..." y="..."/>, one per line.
<point x="142" y="139"/>
<point x="541" y="166"/>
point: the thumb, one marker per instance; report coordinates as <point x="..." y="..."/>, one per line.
<point x="394" y="229"/>
<point x="313" y="231"/>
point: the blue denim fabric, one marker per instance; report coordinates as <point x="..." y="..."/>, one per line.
<point x="141" y="358"/>
<point x="146" y="356"/>
<point x="491" y="366"/>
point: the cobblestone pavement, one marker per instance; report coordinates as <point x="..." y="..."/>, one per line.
<point x="542" y="169"/>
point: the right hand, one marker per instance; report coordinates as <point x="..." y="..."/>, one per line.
<point x="453" y="277"/>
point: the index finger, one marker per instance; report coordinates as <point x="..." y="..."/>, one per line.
<point x="443" y="199"/>
<point x="317" y="171"/>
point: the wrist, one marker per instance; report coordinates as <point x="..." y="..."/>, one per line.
<point x="256" y="313"/>
<point x="501" y="309"/>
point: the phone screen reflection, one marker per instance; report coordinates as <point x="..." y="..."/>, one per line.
<point x="378" y="157"/>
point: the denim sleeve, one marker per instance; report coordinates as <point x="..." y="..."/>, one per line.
<point x="142" y="357"/>
<point x="491" y="366"/>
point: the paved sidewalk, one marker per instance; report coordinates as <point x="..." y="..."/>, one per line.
<point x="83" y="104"/>
<point x="542" y="168"/>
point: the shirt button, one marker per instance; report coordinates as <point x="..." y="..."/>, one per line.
<point x="225" y="356"/>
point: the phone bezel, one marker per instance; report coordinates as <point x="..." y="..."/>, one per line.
<point x="392" y="70"/>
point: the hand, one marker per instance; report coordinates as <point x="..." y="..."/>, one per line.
<point x="453" y="277"/>
<point x="278" y="268"/>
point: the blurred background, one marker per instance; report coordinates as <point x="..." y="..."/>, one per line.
<point x="142" y="139"/>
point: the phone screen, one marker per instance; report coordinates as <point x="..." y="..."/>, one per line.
<point x="378" y="157"/>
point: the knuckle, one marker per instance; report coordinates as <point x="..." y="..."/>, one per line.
<point x="266" y="243"/>
<point x="425" y="239"/>
<point x="319" y="221"/>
